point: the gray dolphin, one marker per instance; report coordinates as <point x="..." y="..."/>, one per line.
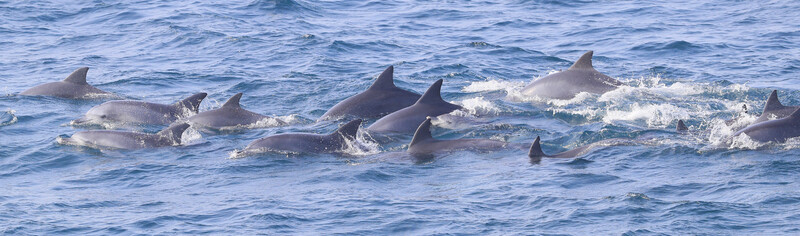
<point x="305" y="142"/>
<point x="74" y="86"/>
<point x="580" y="77"/>
<point x="115" y="139"/>
<point x="774" y="130"/>
<point x="407" y="120"/>
<point x="536" y="149"/>
<point x="382" y="98"/>
<point x="229" y="115"/>
<point x="139" y="112"/>
<point x="774" y="108"/>
<point x="423" y="142"/>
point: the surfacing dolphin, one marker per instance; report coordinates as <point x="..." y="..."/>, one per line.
<point x="74" y="86"/>
<point x="230" y="115"/>
<point x="382" y="98"/>
<point x="536" y="149"/>
<point x="681" y="127"/>
<point x="423" y="143"/>
<point x="773" y="109"/>
<point x="114" y="139"/>
<point x="778" y="130"/>
<point x="580" y="77"/>
<point x="407" y="120"/>
<point x="305" y="142"/>
<point x="138" y="112"/>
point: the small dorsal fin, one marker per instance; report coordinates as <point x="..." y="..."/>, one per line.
<point x="585" y="62"/>
<point x="772" y="102"/>
<point x="350" y="129"/>
<point x="233" y="102"/>
<point x="681" y="126"/>
<point x="536" y="149"/>
<point x="433" y="94"/>
<point x="423" y="132"/>
<point x="78" y="76"/>
<point x="174" y="132"/>
<point x="193" y="102"/>
<point x="385" y="80"/>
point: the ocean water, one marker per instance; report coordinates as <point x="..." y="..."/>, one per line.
<point x="700" y="61"/>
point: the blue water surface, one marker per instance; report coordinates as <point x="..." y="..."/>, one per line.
<point x="700" y="61"/>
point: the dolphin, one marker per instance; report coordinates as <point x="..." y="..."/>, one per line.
<point x="382" y="98"/>
<point x="114" y="139"/>
<point x="229" y="115"/>
<point x="774" y="130"/>
<point x="423" y="142"/>
<point x="774" y="108"/>
<point x="406" y="120"/>
<point x="139" y="112"/>
<point x="536" y="149"/>
<point x="305" y="142"/>
<point x="580" y="77"/>
<point x="74" y="87"/>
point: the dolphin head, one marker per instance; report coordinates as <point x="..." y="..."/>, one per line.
<point x="96" y="115"/>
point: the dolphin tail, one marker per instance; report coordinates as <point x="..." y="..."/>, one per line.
<point x="423" y="132"/>
<point x="681" y="126"/>
<point x="350" y="129"/>
<point x="772" y="102"/>
<point x="233" y="102"/>
<point x="78" y="76"/>
<point x="174" y="132"/>
<point x="192" y="103"/>
<point x="385" y="80"/>
<point x="536" y="149"/>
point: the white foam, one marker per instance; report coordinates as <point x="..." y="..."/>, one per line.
<point x="654" y="115"/>
<point x="479" y="106"/>
<point x="492" y="85"/>
<point x="8" y="118"/>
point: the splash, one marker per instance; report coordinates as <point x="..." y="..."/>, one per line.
<point x="8" y="118"/>
<point x="479" y="106"/>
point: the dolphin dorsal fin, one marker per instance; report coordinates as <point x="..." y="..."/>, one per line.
<point x="583" y="63"/>
<point x="681" y="126"/>
<point x="385" y="80"/>
<point x="174" y="132"/>
<point x="772" y="102"/>
<point x="350" y="129"/>
<point x="233" y="102"/>
<point x="78" y="76"/>
<point x="433" y="95"/>
<point x="193" y="102"/>
<point x="423" y="132"/>
<point x="536" y="149"/>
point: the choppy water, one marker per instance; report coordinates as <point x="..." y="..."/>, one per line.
<point x="694" y="60"/>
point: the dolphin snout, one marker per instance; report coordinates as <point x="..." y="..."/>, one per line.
<point x="80" y="121"/>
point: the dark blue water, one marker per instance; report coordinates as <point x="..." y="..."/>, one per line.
<point x="693" y="60"/>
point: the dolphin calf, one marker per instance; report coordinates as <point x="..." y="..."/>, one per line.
<point x="774" y="130"/>
<point x="114" y="139"/>
<point x="74" y="86"/>
<point x="230" y="115"/>
<point x="306" y="142"/>
<point x="139" y="112"/>
<point x="774" y="108"/>
<point x="536" y="149"/>
<point x="580" y="77"/>
<point x="407" y="120"/>
<point x="423" y="142"/>
<point x="382" y="98"/>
